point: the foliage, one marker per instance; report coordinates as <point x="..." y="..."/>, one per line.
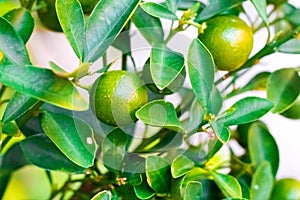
<point x="48" y="122"/>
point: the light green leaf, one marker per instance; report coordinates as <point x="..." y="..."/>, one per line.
<point x="262" y="146"/>
<point x="42" y="84"/>
<point x="261" y="8"/>
<point x="201" y="70"/>
<point x="165" y="65"/>
<point x="246" y="110"/>
<point x="105" y="23"/>
<point x="172" y="4"/>
<point x="262" y="182"/>
<point x="10" y="128"/>
<point x="159" y="113"/>
<point x="221" y="131"/>
<point x="41" y="151"/>
<point x="143" y="191"/>
<point x="158" y="10"/>
<point x="149" y="26"/>
<point x="72" y="136"/>
<point x="158" y="174"/>
<point x="195" y="118"/>
<point x="292" y="46"/>
<point x="11" y="44"/>
<point x="181" y="165"/>
<point x="22" y="21"/>
<point x="283" y="89"/>
<point x="193" y="190"/>
<point x="228" y="185"/>
<point x="71" y="18"/>
<point x="103" y="195"/>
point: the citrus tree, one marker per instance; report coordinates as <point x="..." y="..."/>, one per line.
<point x="157" y="130"/>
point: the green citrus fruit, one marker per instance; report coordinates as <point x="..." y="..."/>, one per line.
<point x="276" y="2"/>
<point x="47" y="15"/>
<point x="118" y="94"/>
<point x="173" y="87"/>
<point x="294" y="111"/>
<point x="286" y="189"/>
<point x="230" y="41"/>
<point x="88" y="5"/>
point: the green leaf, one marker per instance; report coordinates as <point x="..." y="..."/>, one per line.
<point x="105" y="23"/>
<point x="114" y="149"/>
<point x="71" y="18"/>
<point x="246" y="110"/>
<point x="22" y="21"/>
<point x="292" y="46"/>
<point x="143" y="191"/>
<point x="158" y="10"/>
<point x="172" y="5"/>
<point x="11" y="44"/>
<point x="201" y="70"/>
<point x="42" y="84"/>
<point x="221" y="131"/>
<point x="283" y="89"/>
<point x="158" y="174"/>
<point x="10" y="128"/>
<point x="159" y="113"/>
<point x="262" y="146"/>
<point x="41" y="151"/>
<point x="103" y="195"/>
<point x="149" y="26"/>
<point x="196" y="174"/>
<point x="72" y="136"/>
<point x="261" y="8"/>
<point x="195" y="118"/>
<point x="193" y="190"/>
<point x="291" y="13"/>
<point x="18" y="105"/>
<point x="217" y="7"/>
<point x="181" y="165"/>
<point x="228" y="185"/>
<point x="165" y="65"/>
<point x="262" y="182"/>
<point x="217" y="101"/>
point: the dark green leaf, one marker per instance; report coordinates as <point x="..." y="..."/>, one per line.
<point x="159" y="113"/>
<point x="143" y="191"/>
<point x="294" y="111"/>
<point x="18" y="105"/>
<point x="71" y="18"/>
<point x="72" y="136"/>
<point x="22" y="22"/>
<point x="181" y="165"/>
<point x="201" y="70"/>
<point x="10" y="128"/>
<point x="42" y="84"/>
<point x="246" y="110"/>
<point x="149" y="26"/>
<point x="283" y="88"/>
<point x="42" y="152"/>
<point x="228" y="185"/>
<point x="193" y="190"/>
<point x="158" y="10"/>
<point x="262" y="182"/>
<point x="291" y="46"/>
<point x="158" y="174"/>
<point x="221" y="131"/>
<point x="103" y="195"/>
<point x="165" y="65"/>
<point x="217" y="7"/>
<point x="11" y="44"/>
<point x="262" y="146"/>
<point x="114" y="149"/>
<point x="105" y="23"/>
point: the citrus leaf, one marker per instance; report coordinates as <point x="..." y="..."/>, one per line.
<point x="10" y="128"/>
<point x="193" y="190"/>
<point x="143" y="191"/>
<point x="195" y="118"/>
<point x="11" y="44"/>
<point x="217" y="7"/>
<point x="72" y="136"/>
<point x="172" y="4"/>
<point x="71" y="18"/>
<point x="158" y="174"/>
<point x="41" y="151"/>
<point x="261" y="8"/>
<point x="262" y="182"/>
<point x="292" y="46"/>
<point x="221" y="131"/>
<point x="103" y="195"/>
<point x="159" y="113"/>
<point x="283" y="89"/>
<point x="158" y="10"/>
<point x="228" y="185"/>
<point x="22" y="21"/>
<point x="42" y="84"/>
<point x="165" y="65"/>
<point x="105" y="23"/>
<point x="262" y="146"/>
<point x="201" y="70"/>
<point x="246" y="110"/>
<point x="149" y="26"/>
<point x="181" y="165"/>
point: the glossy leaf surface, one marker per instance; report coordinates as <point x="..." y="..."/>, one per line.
<point x="228" y="185"/>
<point x="103" y="195"/>
<point x="158" y="10"/>
<point x="181" y="165"/>
<point x="193" y="190"/>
